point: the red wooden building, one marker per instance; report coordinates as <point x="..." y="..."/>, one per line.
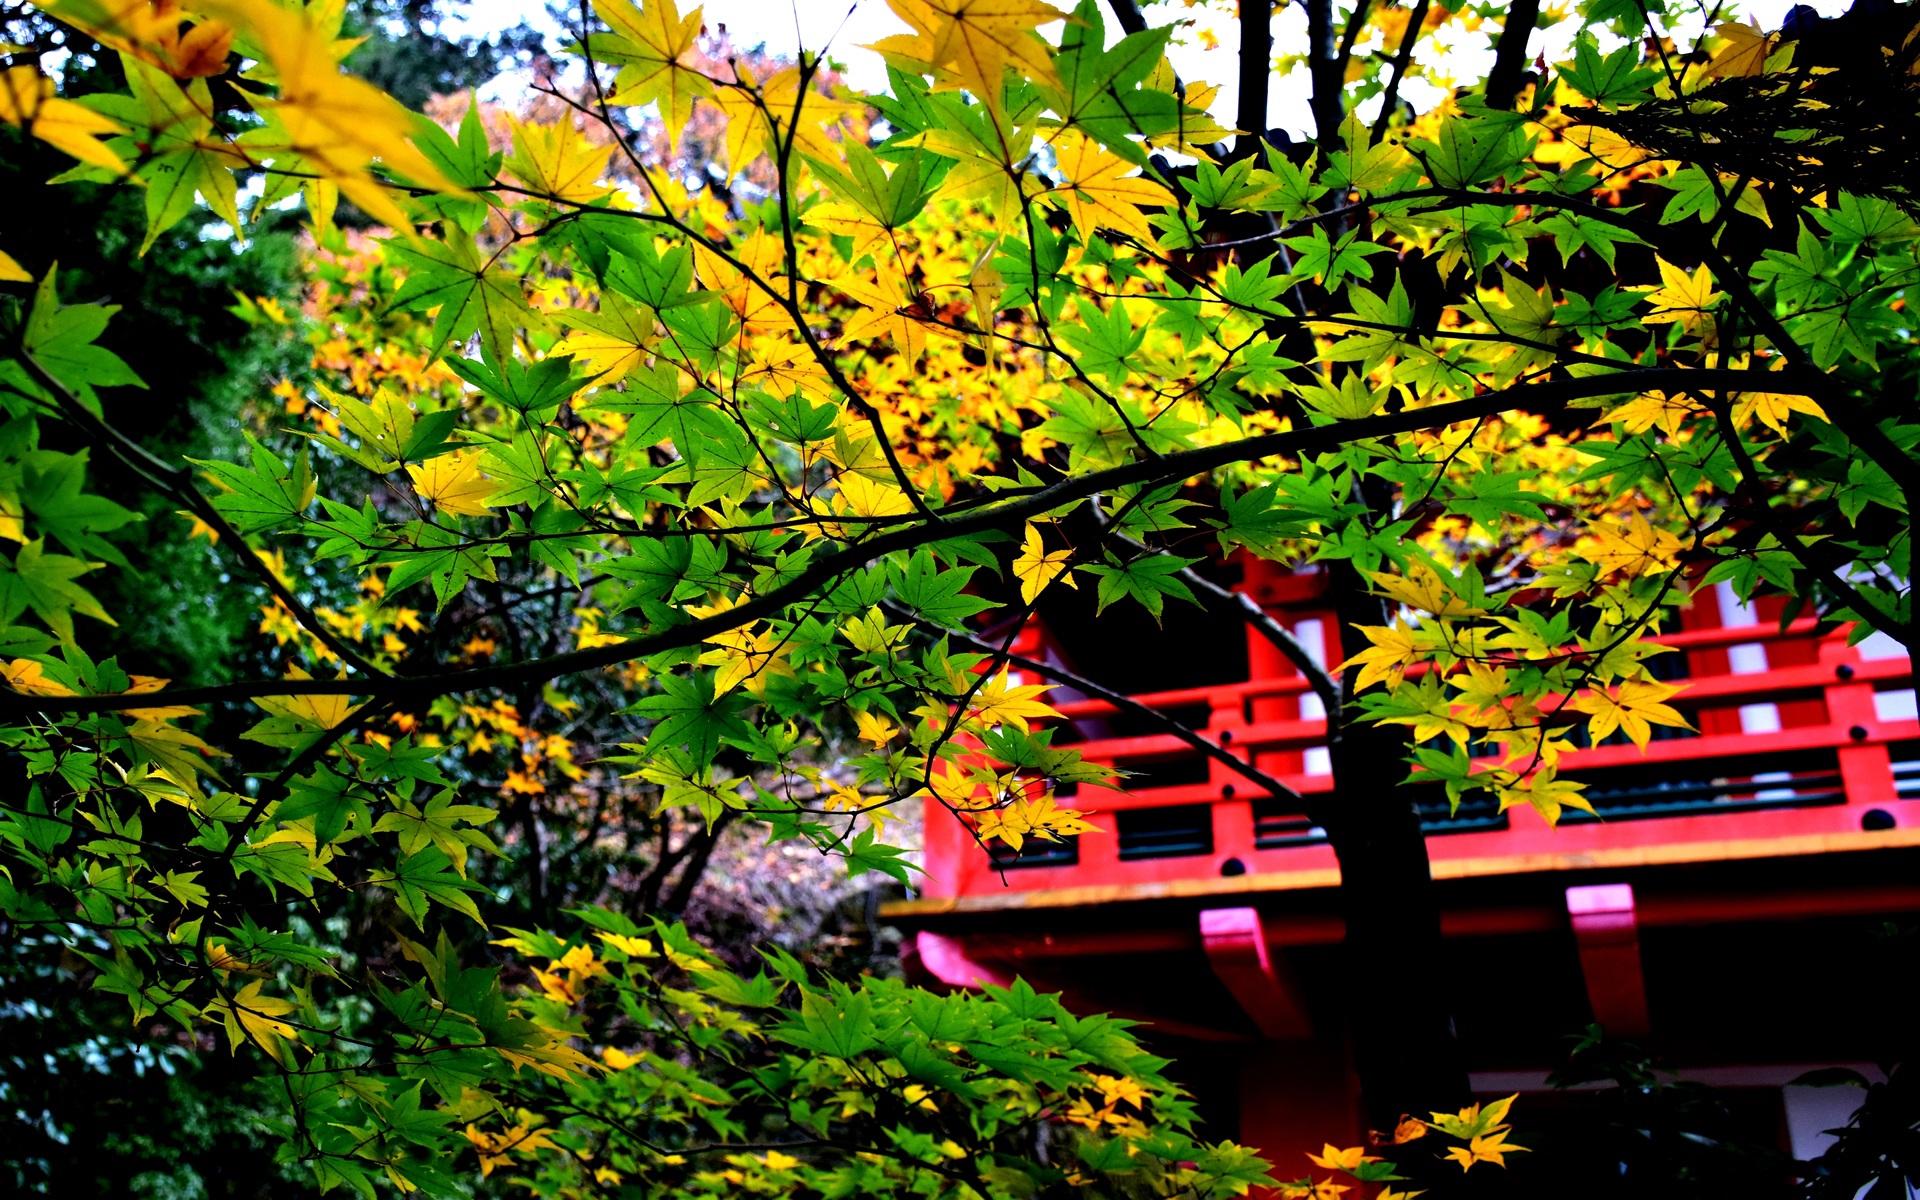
<point x="1703" y="913"/>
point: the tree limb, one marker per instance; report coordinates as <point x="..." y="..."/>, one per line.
<point x="1547" y="396"/>
<point x="1125" y="703"/>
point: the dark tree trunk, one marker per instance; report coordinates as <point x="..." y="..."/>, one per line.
<point x="1510" y="56"/>
<point x="1256" y="64"/>
<point x="1326" y="70"/>
<point x="1404" y="1048"/>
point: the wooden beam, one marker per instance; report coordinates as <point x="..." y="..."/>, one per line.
<point x="1265" y="989"/>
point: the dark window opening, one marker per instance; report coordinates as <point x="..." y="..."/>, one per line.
<point x="1674" y="789"/>
<point x="1146" y="773"/>
<point x="1036" y="852"/>
<point x="1276" y="827"/>
<point x="1127" y="650"/>
<point x="1165" y="832"/>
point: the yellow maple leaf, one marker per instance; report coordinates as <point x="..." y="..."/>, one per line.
<point x="250" y="1016"/>
<point x="974" y="41"/>
<point x="497" y="1149"/>
<point x="763" y="116"/>
<point x="610" y="343"/>
<point x="1423" y="589"/>
<point x="1745" y="52"/>
<point x="1634" y="707"/>
<point x="1605" y="146"/>
<point x="1333" y="1158"/>
<point x="1031" y="816"/>
<point x="335" y="124"/>
<point x="999" y="702"/>
<point x="1099" y="192"/>
<point x="13" y="272"/>
<point x="850" y="221"/>
<point x="619" y="1060"/>
<point x="453" y="482"/>
<point x="1037" y="567"/>
<point x="746" y="658"/>
<point x="659" y="64"/>
<point x="25" y="675"/>
<point x="1772" y="409"/>
<point x="886" y="309"/>
<point x="1651" y="409"/>
<point x="27" y="100"/>
<point x="1386" y="661"/>
<point x="556" y="160"/>
<point x="1682" y="299"/>
<point x="1489" y="1147"/>
<point x="1545" y="792"/>
<point x="956" y="789"/>
<point x="875" y="729"/>
<point x="632" y="947"/>
<point x="1632" y="549"/>
<point x="863" y="496"/>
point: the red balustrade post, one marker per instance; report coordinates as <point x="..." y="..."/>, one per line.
<point x="1866" y="769"/>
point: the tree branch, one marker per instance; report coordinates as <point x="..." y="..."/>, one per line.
<point x="176" y="483"/>
<point x="1123" y="702"/>
<point x="1402" y="59"/>
<point x="1542" y="397"/>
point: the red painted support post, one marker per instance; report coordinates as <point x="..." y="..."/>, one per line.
<point x="1608" y="937"/>
<point x="1866" y="770"/>
<point x="1236" y="947"/>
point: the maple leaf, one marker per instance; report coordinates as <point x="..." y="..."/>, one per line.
<point x="1772" y="409"/>
<point x="745" y="658"/>
<point x="497" y="1149"/>
<point x="250" y="1016"/>
<point x="763" y="116"/>
<point x="1035" y="816"/>
<point x="1632" y="549"/>
<point x="1037" y="566"/>
<point x="1423" y="589"/>
<point x="1746" y="51"/>
<point x="974" y="41"/>
<point x="434" y="825"/>
<point x="336" y="125"/>
<point x="1099" y="192"/>
<point x="1000" y="702"/>
<point x="1386" y="661"/>
<point x="454" y="484"/>
<point x="1333" y="1158"/>
<point x="1548" y="795"/>
<point x="613" y="342"/>
<point x="27" y="100"/>
<point x="1650" y="409"/>
<point x="1682" y="299"/>
<point x="1491" y="1147"/>
<point x="656" y="56"/>
<point x="1634" y="707"/>
<point x="875" y="729"/>
<point x="148" y="31"/>
<point x="29" y="677"/>
<point x="556" y="160"/>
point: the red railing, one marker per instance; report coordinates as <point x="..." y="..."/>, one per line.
<point x="1792" y="744"/>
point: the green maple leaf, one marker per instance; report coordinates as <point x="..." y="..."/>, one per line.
<point x="1150" y="580"/>
<point x="467" y="293"/>
<point x="425" y="879"/>
<point x="435" y="824"/>
<point x="686" y="714"/>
